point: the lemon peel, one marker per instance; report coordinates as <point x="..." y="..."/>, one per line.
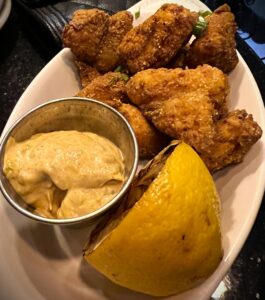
<point x="170" y="239"/>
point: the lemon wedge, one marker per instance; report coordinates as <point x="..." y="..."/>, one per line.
<point x="170" y="240"/>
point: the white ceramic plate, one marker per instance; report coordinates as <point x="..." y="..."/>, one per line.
<point x="41" y="262"/>
<point x="5" y="8"/>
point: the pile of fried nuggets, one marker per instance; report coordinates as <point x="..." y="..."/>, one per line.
<point x="167" y="87"/>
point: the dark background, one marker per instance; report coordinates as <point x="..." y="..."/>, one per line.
<point x="25" y="48"/>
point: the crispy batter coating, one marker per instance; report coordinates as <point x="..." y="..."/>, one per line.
<point x="109" y="88"/>
<point x="157" y="85"/>
<point x="181" y="103"/>
<point x="94" y="36"/>
<point x="108" y="57"/>
<point x="216" y="46"/>
<point x="188" y="118"/>
<point x="150" y="140"/>
<point x="191" y="105"/>
<point x="234" y="136"/>
<point x="86" y="72"/>
<point x="154" y="42"/>
<point x="84" y="33"/>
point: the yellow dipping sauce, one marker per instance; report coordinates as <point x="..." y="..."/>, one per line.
<point x="64" y="174"/>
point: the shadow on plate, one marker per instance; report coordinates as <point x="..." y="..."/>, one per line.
<point x="110" y="290"/>
<point x="52" y="242"/>
<point x="227" y="181"/>
<point x="230" y="177"/>
<point x="55" y="242"/>
<point x="43" y="238"/>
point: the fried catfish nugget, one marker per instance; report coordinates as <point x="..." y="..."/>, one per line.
<point x="159" y="85"/>
<point x="109" y="88"/>
<point x="149" y="139"/>
<point x="234" y="136"/>
<point x="153" y="43"/>
<point x="86" y="72"/>
<point x="181" y="103"/>
<point x="108" y="57"/>
<point x="216" y="46"/>
<point x="94" y="36"/>
<point x="84" y="33"/>
<point x="191" y="105"/>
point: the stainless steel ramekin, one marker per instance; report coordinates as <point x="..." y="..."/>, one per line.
<point x="80" y="114"/>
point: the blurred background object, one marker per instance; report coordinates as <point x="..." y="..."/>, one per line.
<point x="250" y="17"/>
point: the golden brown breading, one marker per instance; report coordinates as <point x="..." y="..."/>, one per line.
<point x="154" y="42"/>
<point x="216" y="46"/>
<point x="182" y="103"/>
<point x="84" y="33"/>
<point x="161" y="84"/>
<point x="108" y="88"/>
<point x="94" y="36"/>
<point x="86" y="72"/>
<point x="187" y="117"/>
<point x="150" y="140"/>
<point x="234" y="136"/>
<point x="191" y="105"/>
<point x="108" y="57"/>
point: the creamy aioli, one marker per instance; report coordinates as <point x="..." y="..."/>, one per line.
<point x="64" y="174"/>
